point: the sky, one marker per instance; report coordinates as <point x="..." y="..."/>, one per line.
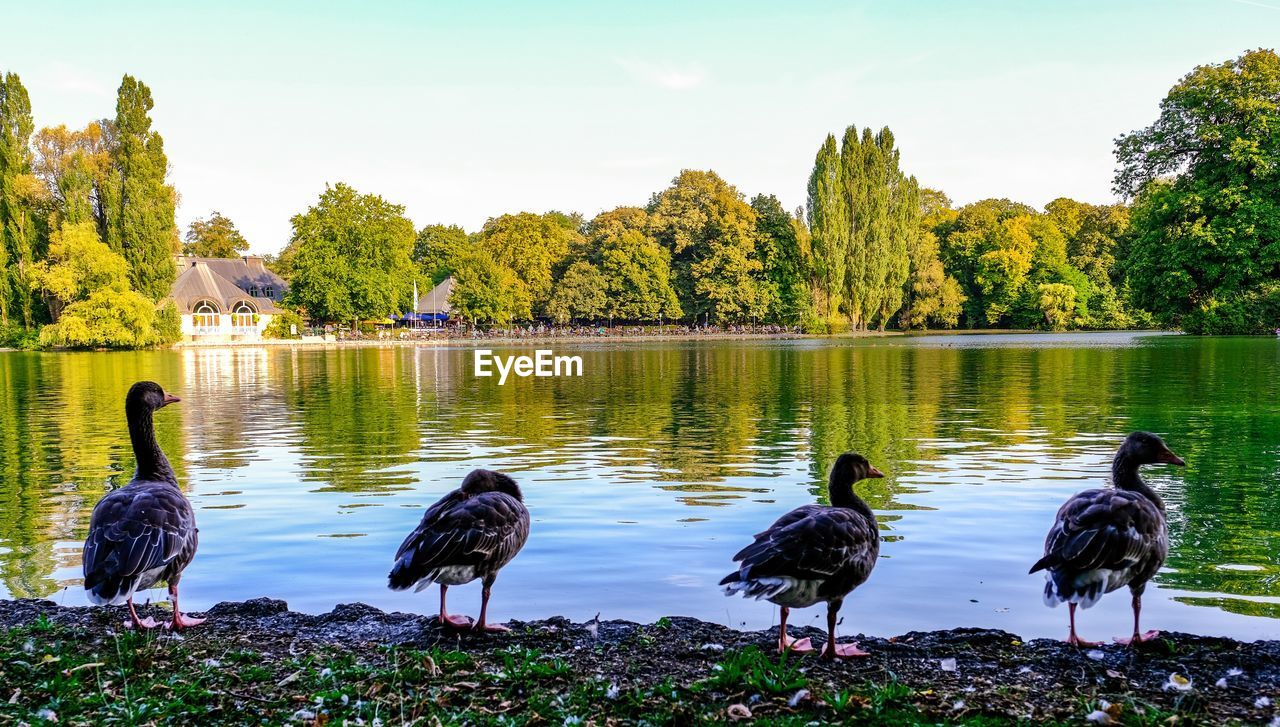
<point x="464" y="111"/>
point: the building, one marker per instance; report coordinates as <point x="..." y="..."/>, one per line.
<point x="226" y="299"/>
<point x="432" y="308"/>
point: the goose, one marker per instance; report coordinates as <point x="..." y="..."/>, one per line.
<point x="144" y="532"/>
<point x="1107" y="538"/>
<point x="470" y="533"/>
<point x="814" y="553"/>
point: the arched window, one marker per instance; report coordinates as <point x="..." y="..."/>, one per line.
<point x="205" y="317"/>
<point x="242" y="315"/>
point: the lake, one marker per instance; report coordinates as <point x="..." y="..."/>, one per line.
<point x="307" y="467"/>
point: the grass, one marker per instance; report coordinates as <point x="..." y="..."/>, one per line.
<point x="77" y="676"/>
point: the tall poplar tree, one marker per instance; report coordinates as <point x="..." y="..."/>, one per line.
<point x="139" y="204"/>
<point x="828" y="227"/>
<point x="18" y="224"/>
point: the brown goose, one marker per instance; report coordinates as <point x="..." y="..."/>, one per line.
<point x="1108" y="538"/>
<point x="144" y="532"/>
<point x="814" y="553"/>
<point x="469" y="533"/>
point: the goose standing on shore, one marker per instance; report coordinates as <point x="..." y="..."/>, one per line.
<point x="469" y="533"/>
<point x="814" y="553"/>
<point x="144" y="532"/>
<point x="1107" y="538"/>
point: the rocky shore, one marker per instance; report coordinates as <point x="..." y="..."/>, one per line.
<point x="258" y="662"/>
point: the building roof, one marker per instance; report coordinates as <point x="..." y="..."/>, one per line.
<point x="247" y="273"/>
<point x="437" y="300"/>
<point x="199" y="280"/>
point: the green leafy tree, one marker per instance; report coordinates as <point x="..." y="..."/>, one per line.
<point x="784" y="252"/>
<point x="532" y="246"/>
<point x="1206" y="181"/>
<point x="829" y="227"/>
<point x="74" y="166"/>
<point x="139" y="203"/>
<point x="711" y="234"/>
<point x="19" y="192"/>
<point x="579" y="295"/>
<point x="437" y="248"/>
<point x="1057" y="304"/>
<point x="349" y="257"/>
<point x="215" y="236"/>
<point x="636" y="268"/>
<point x="96" y="306"/>
<point x="485" y="291"/>
<point x="931" y="296"/>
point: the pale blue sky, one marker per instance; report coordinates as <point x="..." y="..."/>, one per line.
<point x="465" y="111"/>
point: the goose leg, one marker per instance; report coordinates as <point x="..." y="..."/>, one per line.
<point x="834" y="650"/>
<point x="481" y="625"/>
<point x="447" y="621"/>
<point x="138" y="623"/>
<point x="1138" y="636"/>
<point x="180" y="621"/>
<point x="1073" y="638"/>
<point x="786" y="643"/>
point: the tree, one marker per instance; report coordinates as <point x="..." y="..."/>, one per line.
<point x="215" y="236"/>
<point x="636" y="268"/>
<point x="931" y="295"/>
<point x="437" y="249"/>
<point x="350" y="257"/>
<point x="1058" y="304"/>
<point x="710" y="231"/>
<point x="89" y="283"/>
<point x="485" y="291"/>
<point x="532" y="246"/>
<point x="580" y="294"/>
<point x="74" y="168"/>
<point x="828" y="225"/>
<point x="785" y="254"/>
<point x="1205" y="177"/>
<point x="139" y="203"/>
<point x="19" y="190"/>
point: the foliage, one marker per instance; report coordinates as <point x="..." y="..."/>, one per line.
<point x="350" y="257"/>
<point x="168" y="324"/>
<point x="74" y="167"/>
<point x="109" y="318"/>
<point x="828" y="224"/>
<point x="284" y="325"/>
<point x="784" y="251"/>
<point x="931" y="296"/>
<point x="215" y="236"/>
<point x="1206" y="179"/>
<point x="79" y="263"/>
<point x="580" y="294"/>
<point x="532" y="246"/>
<point x="139" y="203"/>
<point x="437" y="248"/>
<point x="635" y="267"/>
<point x="485" y="291"/>
<point x="19" y="194"/>
<point x="710" y="231"/>
<point x="1058" y="303"/>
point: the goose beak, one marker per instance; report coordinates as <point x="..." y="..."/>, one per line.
<point x="1169" y="457"/>
<point x="169" y="399"/>
<point x="873" y="473"/>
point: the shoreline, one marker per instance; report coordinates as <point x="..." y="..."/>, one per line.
<point x="258" y="660"/>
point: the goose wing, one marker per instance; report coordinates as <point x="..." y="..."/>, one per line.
<point x="1102" y="530"/>
<point x="484" y="531"/>
<point x="812" y="543"/>
<point x="136" y="529"/>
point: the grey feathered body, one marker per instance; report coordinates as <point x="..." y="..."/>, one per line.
<point x="139" y="535"/>
<point x="813" y="553"/>
<point x="469" y="534"/>
<point x="1102" y="540"/>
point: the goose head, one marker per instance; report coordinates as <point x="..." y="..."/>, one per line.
<point x="851" y="467"/>
<point x="147" y="396"/>
<point x="1142" y="448"/>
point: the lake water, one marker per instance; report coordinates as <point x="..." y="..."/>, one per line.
<point x="308" y="467"/>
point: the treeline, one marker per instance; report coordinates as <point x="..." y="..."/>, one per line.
<point x="87" y="219"/>
<point x="87" y="224"/>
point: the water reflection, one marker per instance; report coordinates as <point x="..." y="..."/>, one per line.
<point x="644" y="476"/>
